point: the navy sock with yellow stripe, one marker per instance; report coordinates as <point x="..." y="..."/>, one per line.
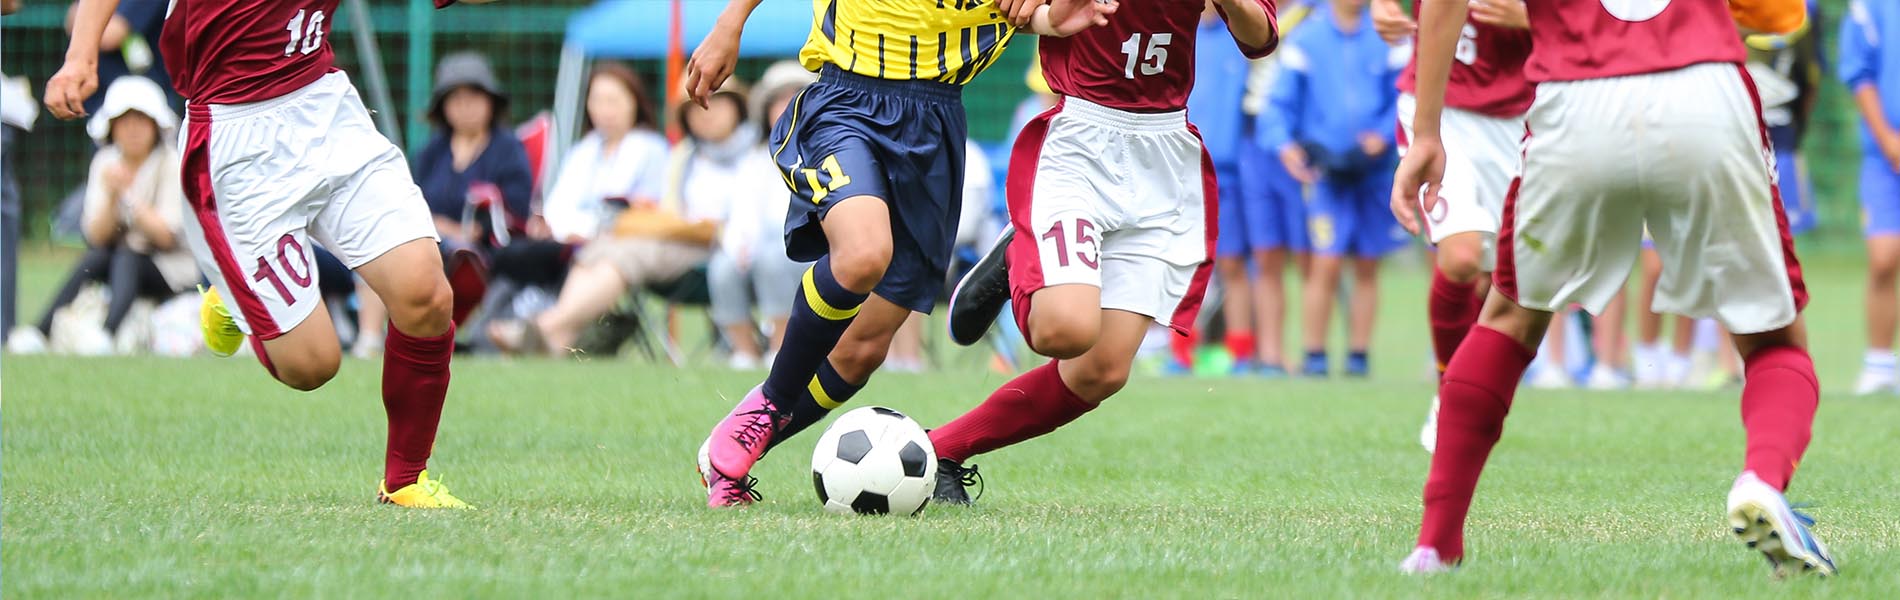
<point x="828" y="390"/>
<point x="820" y="314"/>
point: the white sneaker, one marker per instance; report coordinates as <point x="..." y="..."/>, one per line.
<point x="742" y="362"/>
<point x="1675" y="370"/>
<point x="1604" y="378"/>
<point x="1428" y="435"/>
<point x="1874" y="381"/>
<point x="1424" y="561"/>
<point x="1646" y="365"/>
<point x="26" y="339"/>
<point x="1550" y="378"/>
<point x="1761" y="517"/>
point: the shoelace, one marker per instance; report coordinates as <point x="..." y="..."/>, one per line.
<point x="969" y="477"/>
<point x="755" y="430"/>
<point x="741" y="490"/>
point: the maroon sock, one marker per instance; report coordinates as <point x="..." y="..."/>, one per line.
<point x="1030" y="405"/>
<point x="415" y="382"/>
<point x="1182" y="347"/>
<point x="1778" y="401"/>
<point x="1473" y="400"/>
<point x="1452" y="308"/>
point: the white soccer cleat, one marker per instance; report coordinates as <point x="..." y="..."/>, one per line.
<point x="26" y="339"/>
<point x="1424" y="561"/>
<point x="1428" y="435"/>
<point x="1760" y="515"/>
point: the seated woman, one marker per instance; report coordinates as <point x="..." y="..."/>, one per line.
<point x="750" y="271"/>
<point x="474" y="173"/>
<point x="651" y="242"/>
<point x="134" y="210"/>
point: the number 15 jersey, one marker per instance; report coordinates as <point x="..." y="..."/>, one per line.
<point x="1141" y="61"/>
<point x="237" y="51"/>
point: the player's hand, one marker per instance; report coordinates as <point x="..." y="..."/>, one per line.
<point x="1417" y="183"/>
<point x="1889" y="143"/>
<point x="1293" y="157"/>
<point x="1019" y="11"/>
<point x="1502" y="13"/>
<point x="1070" y="17"/>
<point x="712" y="63"/>
<point x="1372" y="144"/>
<point x="1390" y="20"/>
<point x="67" y="91"/>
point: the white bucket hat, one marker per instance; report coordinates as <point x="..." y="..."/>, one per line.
<point x="127" y="94"/>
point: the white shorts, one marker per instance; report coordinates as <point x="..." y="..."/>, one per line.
<point x="1117" y="200"/>
<point x="265" y="178"/>
<point x="1482" y="155"/>
<point x="1682" y="151"/>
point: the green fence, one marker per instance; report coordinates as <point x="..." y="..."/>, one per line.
<point x="523" y="39"/>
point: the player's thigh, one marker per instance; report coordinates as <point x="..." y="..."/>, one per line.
<point x="1058" y="207"/>
<point x="409" y="281"/>
<point x="1717" y="221"/>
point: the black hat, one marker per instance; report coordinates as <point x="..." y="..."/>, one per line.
<point x="465" y="69"/>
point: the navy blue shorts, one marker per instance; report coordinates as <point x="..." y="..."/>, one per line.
<point x="849" y="135"/>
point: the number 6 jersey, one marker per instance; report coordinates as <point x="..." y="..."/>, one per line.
<point x="1142" y="61"/>
<point x="237" y="51"/>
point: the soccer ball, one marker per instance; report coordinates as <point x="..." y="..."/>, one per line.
<point x="874" y="461"/>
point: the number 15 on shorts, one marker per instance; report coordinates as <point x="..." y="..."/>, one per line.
<point x="1070" y="252"/>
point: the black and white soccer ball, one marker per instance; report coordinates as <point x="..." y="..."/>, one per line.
<point x="874" y="461"/>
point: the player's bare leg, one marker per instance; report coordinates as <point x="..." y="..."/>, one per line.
<point x="1237" y="307"/>
<point x="1316" y="311"/>
<point x="1474" y="398"/>
<point x="1610" y="342"/>
<point x="831" y="296"/>
<point x="1650" y="356"/>
<point x="1883" y="308"/>
<point x="1269" y="300"/>
<point x="1364" y="310"/>
<point x="1050" y="396"/>
<point x="1779" y="398"/>
<point x="307" y="356"/>
<point x="416" y="353"/>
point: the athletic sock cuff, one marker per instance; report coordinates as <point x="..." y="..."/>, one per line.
<point x="424" y="352"/>
<point x="826" y="296"/>
<point x="830" y="390"/>
<point x="1793" y="358"/>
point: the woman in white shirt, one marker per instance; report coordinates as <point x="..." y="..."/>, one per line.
<point x="649" y="241"/>
<point x="134" y="211"/>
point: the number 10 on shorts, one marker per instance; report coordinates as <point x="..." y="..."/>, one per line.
<point x="282" y="272"/>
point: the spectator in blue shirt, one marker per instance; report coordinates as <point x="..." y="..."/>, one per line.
<point x="1337" y="100"/>
<point x="1870" y="65"/>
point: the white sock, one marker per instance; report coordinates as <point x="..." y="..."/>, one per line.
<point x="1880" y="360"/>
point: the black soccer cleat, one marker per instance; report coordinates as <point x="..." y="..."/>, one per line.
<point x="979" y="297"/>
<point x="954" y="481"/>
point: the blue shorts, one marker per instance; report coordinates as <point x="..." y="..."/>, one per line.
<point x="903" y="141"/>
<point x="1797" y="198"/>
<point x="1354" y="218"/>
<point x="1879" y="197"/>
<point x="1262" y="208"/>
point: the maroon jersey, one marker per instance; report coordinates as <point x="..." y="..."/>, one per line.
<point x="1596" y="39"/>
<point x="235" y="51"/>
<point x="1141" y="61"/>
<point x="1487" y="76"/>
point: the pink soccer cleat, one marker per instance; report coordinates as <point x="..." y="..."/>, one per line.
<point x="740" y="439"/>
<point x="1425" y="561"/>
<point x="726" y="492"/>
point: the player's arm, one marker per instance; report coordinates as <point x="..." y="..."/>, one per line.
<point x="1252" y="24"/>
<point x="714" y="59"/>
<point x="1063" y="18"/>
<point x="1423" y="167"/>
<point x="76" y="80"/>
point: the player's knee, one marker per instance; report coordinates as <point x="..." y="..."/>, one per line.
<point x="310" y="371"/>
<point x="858" y="266"/>
<point x="1462" y="264"/>
<point x="1231" y="269"/>
<point x="1883" y="270"/>
<point x="1063" y="336"/>
<point x="423" y="307"/>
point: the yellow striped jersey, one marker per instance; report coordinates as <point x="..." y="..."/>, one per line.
<point x="938" y="40"/>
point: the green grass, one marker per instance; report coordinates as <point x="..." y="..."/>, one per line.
<point x="145" y="477"/>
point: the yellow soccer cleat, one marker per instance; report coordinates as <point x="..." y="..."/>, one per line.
<point x="424" y="493"/>
<point x="221" y="332"/>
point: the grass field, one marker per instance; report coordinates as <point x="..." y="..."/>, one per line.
<point x="145" y="477"/>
